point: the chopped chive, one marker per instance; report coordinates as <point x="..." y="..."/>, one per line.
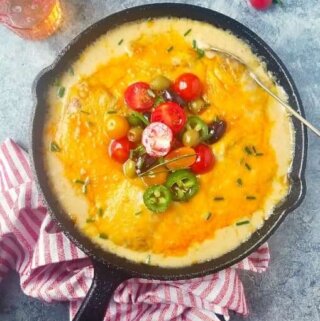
<point x="71" y="71"/>
<point x="239" y="182"/>
<point x="251" y="197"/>
<point x="57" y="83"/>
<point x="85" y="112"/>
<point x="187" y="32"/>
<point x="209" y="214"/>
<point x="90" y="220"/>
<point x="148" y="259"/>
<point x="111" y="112"/>
<point x="137" y="213"/>
<point x="120" y="42"/>
<point x="61" y="91"/>
<point x="248" y="150"/>
<point x="100" y="211"/>
<point x="103" y="236"/>
<point x="54" y="147"/>
<point x="248" y="167"/>
<point x="194" y="44"/>
<point x="218" y="198"/>
<point x="259" y="154"/>
<point x="242" y="222"/>
<point x="79" y="181"/>
<point x="170" y="49"/>
<point x="200" y="53"/>
<point x="254" y="149"/>
<point x="151" y="93"/>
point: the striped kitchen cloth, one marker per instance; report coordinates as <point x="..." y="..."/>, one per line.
<point x="53" y="269"/>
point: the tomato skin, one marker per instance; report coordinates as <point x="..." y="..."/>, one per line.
<point x="188" y="86"/>
<point x="170" y="114"/>
<point x="117" y="126"/>
<point x="137" y="97"/>
<point x="183" y="162"/>
<point x="261" y="4"/>
<point x="205" y="159"/>
<point x="119" y="149"/>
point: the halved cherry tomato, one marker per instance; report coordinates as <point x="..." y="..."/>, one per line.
<point x="137" y="96"/>
<point x="119" y="149"/>
<point x="181" y="162"/>
<point x="205" y="159"/>
<point x="188" y="86"/>
<point x="171" y="114"/>
<point x="156" y="177"/>
<point x="117" y="126"/>
<point x="261" y="4"/>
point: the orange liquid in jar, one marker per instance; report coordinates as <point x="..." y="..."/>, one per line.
<point x="33" y="19"/>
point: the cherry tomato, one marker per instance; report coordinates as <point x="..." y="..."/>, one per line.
<point x="156" y="177"/>
<point x="171" y="114"/>
<point x="117" y="126"/>
<point x="204" y="161"/>
<point x="119" y="149"/>
<point x="188" y="86"/>
<point x="181" y="162"/>
<point x="137" y="96"/>
<point x="261" y="4"/>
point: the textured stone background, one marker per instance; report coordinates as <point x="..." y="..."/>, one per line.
<point x="290" y="289"/>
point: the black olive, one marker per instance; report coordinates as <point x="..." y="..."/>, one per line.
<point x="216" y="130"/>
<point x="170" y="95"/>
<point x="145" y="162"/>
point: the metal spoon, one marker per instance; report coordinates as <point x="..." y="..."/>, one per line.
<point x="260" y="83"/>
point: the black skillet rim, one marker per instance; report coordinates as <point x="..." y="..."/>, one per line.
<point x="274" y="64"/>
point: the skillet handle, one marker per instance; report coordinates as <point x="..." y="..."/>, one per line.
<point x="104" y="283"/>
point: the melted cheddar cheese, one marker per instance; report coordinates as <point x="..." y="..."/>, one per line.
<point x="236" y="189"/>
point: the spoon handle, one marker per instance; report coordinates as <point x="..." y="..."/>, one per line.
<point x="290" y="109"/>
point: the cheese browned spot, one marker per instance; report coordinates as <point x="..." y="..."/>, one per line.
<point x="111" y="205"/>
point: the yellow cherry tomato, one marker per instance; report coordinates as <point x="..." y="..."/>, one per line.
<point x="186" y="156"/>
<point x="157" y="177"/>
<point x="117" y="126"/>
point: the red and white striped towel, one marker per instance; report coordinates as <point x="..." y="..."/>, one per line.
<point x="52" y="269"/>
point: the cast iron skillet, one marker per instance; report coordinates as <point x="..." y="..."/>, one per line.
<point x="111" y="270"/>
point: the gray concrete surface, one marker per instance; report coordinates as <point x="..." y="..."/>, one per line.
<point x="290" y="289"/>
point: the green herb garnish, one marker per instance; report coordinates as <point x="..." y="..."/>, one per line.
<point x="248" y="150"/>
<point x="61" y="91"/>
<point x="251" y="197"/>
<point x="248" y="167"/>
<point x="57" y="83"/>
<point x="170" y="49"/>
<point x="85" y="112"/>
<point x="103" y="236"/>
<point x="54" y="147"/>
<point x="259" y="154"/>
<point x="90" y="220"/>
<point x="137" y="213"/>
<point x="239" y="182"/>
<point x="120" y="42"/>
<point x="218" y="198"/>
<point x="200" y="52"/>
<point x="208" y="216"/>
<point x="79" y="181"/>
<point x="242" y="222"/>
<point x="159" y="100"/>
<point x="71" y="71"/>
<point x="100" y="211"/>
<point x="111" y="112"/>
<point x="187" y="32"/>
<point x="194" y="44"/>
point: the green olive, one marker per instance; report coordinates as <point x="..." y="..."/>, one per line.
<point x="191" y="138"/>
<point x="129" y="168"/>
<point x="135" y="134"/>
<point x="196" y="106"/>
<point x="160" y="83"/>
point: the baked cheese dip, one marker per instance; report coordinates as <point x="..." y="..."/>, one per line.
<point x="162" y="152"/>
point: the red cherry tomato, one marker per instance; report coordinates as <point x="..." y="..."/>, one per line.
<point x="204" y="161"/>
<point x="171" y="114"/>
<point x="188" y="86"/>
<point x="119" y="149"/>
<point x="137" y="96"/>
<point x="261" y="4"/>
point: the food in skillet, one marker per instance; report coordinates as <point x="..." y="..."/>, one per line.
<point x="161" y="153"/>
